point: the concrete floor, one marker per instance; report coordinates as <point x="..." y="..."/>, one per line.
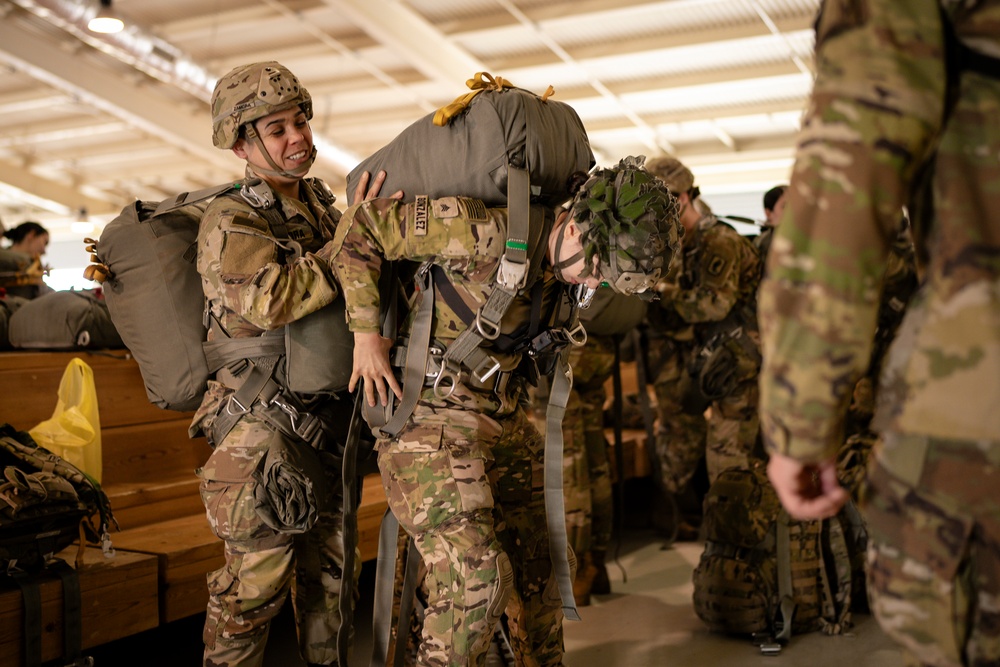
<point x="647" y="621"/>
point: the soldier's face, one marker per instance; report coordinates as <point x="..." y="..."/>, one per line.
<point x="286" y="136"/>
<point x="774" y="215"/>
<point x="571" y="245"/>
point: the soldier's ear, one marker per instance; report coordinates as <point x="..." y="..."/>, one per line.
<point x="240" y="148"/>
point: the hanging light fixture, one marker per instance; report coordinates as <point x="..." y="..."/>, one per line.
<point x="106" y="21"/>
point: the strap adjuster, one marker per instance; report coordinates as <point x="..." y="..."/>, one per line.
<point x="512" y="276"/>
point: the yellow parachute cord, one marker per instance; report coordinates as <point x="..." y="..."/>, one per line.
<point x="482" y="81"/>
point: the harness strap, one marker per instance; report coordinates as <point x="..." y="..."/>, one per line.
<point x="31" y="594"/>
<point x="416" y="360"/>
<point x="349" y="524"/>
<point x="407" y="599"/>
<point x="385" y="568"/>
<point x="555" y="510"/>
<point x="786" y="598"/>
<point x="223" y="352"/>
<point x="72" y="617"/>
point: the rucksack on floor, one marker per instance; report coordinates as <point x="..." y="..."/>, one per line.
<point x="765" y="574"/>
<point x="479" y="134"/>
<point x="64" y="320"/>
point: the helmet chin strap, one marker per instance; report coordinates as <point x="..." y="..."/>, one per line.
<point x="275" y="170"/>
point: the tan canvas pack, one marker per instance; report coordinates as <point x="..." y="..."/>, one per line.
<point x="146" y="260"/>
<point x="764" y="574"/>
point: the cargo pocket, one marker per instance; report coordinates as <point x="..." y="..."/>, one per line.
<point x="227" y="487"/>
<point x="433" y="476"/>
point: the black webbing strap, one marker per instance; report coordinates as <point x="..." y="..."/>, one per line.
<point x="32" y="628"/>
<point x="72" y="608"/>
<point x="349" y="525"/>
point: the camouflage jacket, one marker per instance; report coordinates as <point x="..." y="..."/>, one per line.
<point x="719" y="273"/>
<point x="460" y="235"/>
<point x="253" y="282"/>
<point x="875" y="116"/>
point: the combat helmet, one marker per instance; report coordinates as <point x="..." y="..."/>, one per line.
<point x="250" y="92"/>
<point x="672" y="171"/>
<point x="629" y="219"/>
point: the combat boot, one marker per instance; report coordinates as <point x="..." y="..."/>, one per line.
<point x="584" y="580"/>
<point x="601" y="584"/>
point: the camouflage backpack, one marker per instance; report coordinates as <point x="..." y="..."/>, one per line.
<point x="765" y="575"/>
<point x="46" y="503"/>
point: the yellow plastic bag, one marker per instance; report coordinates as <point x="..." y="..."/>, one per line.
<point x="74" y="431"/>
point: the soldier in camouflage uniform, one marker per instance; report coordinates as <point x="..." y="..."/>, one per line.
<point x="707" y="353"/>
<point x="255" y="283"/>
<point x="903" y="112"/>
<point x="586" y="474"/>
<point x="464" y="475"/>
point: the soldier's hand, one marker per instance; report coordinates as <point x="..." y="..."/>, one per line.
<point x="363" y="192"/>
<point x="371" y="364"/>
<point x="808" y="491"/>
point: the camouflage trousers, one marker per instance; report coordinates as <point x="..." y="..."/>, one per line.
<point x="465" y="479"/>
<point x="680" y="436"/>
<point x="586" y="472"/>
<point x="263" y="565"/>
<point x="726" y="437"/>
<point x="933" y="511"/>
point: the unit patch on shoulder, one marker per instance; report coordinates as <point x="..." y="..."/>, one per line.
<point x="716" y="265"/>
<point x="473" y="209"/>
<point x="420" y="215"/>
<point x="446" y="207"/>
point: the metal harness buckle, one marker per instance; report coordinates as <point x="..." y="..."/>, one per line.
<point x="447" y="380"/>
<point x="512" y="276"/>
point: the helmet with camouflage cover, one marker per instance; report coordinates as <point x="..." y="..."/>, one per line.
<point x="672" y="171"/>
<point x="251" y="92"/>
<point x="629" y="220"/>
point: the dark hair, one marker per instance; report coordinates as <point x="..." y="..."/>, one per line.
<point x="19" y="233"/>
<point x="576" y="181"/>
<point x="772" y="196"/>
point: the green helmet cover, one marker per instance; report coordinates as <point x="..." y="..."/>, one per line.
<point x="629" y="219"/>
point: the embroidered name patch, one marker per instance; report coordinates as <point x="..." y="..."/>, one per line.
<point x="420" y="215"/>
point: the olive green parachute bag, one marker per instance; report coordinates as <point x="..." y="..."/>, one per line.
<point x="145" y="259"/>
<point x="466" y="147"/>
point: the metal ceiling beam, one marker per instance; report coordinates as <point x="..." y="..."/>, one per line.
<point x="57" y="197"/>
<point x="405" y="31"/>
<point x="46" y="60"/>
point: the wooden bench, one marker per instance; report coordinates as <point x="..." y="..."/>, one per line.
<point x="117" y="596"/>
<point x="149" y="475"/>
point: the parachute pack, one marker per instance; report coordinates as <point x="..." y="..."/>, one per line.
<point x="467" y="147"/>
<point x="145" y="259"/>
<point x="64" y="320"/>
<point x="765" y="575"/>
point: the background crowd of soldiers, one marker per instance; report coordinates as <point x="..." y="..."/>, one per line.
<point x="699" y="350"/>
